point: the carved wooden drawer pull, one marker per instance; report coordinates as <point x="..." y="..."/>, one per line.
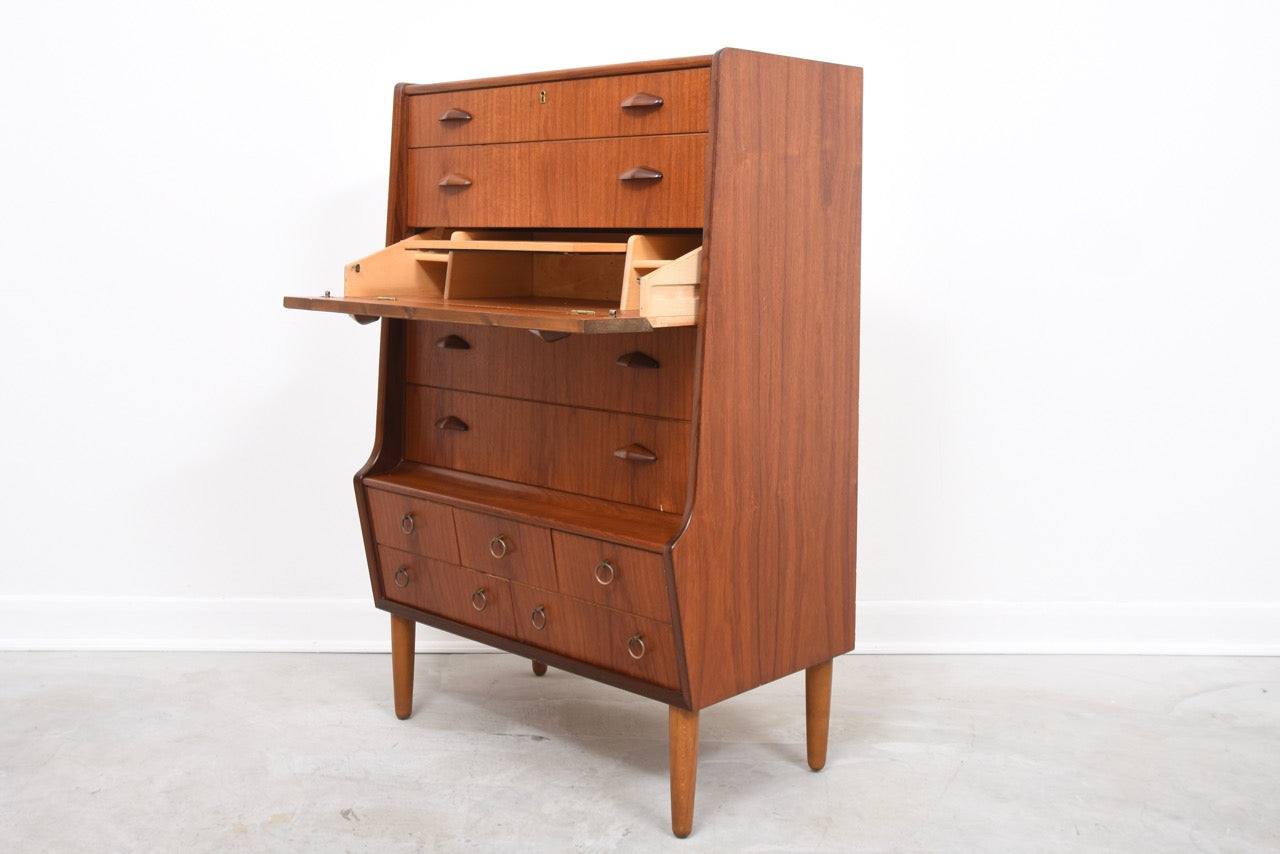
<point x="636" y="359"/>
<point x="453" y="342"/>
<point x="636" y="454"/>
<point x="640" y="173"/>
<point x="452" y="422"/>
<point x="641" y="99"/>
<point x="452" y="180"/>
<point x="453" y="114"/>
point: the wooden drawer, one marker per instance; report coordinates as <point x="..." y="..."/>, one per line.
<point x="586" y="451"/>
<point x="599" y="636"/>
<point x="412" y="524"/>
<point x="573" y="184"/>
<point x="648" y="373"/>
<point x="504" y="547"/>
<point x="461" y="595"/>
<point x="566" y="109"/>
<point x="608" y="574"/>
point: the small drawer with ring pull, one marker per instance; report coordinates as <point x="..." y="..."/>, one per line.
<point x="622" y="642"/>
<point x="608" y="574"/>
<point x="505" y="547"/>
<point x="454" y="592"/>
<point x="413" y="524"/>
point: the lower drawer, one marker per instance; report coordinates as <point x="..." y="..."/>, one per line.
<point x="622" y="642"/>
<point x="459" y="594"/>
<point x="500" y="546"/>
<point x="627" y="458"/>
<point x="412" y="524"/>
<point x="609" y="574"/>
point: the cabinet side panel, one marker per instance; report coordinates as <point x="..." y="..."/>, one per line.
<point x="397" y="227"/>
<point x="764" y="571"/>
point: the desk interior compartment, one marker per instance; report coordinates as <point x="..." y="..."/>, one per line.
<point x="548" y="280"/>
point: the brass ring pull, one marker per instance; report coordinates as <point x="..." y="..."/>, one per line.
<point x="406" y="522"/>
<point x="635" y="646"/>
<point x="605" y="573"/>
<point x="498" y="547"/>
<point x="401" y="577"/>
<point x="479" y="599"/>
<point x="538" y="619"/>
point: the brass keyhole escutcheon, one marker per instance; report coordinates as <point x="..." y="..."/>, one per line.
<point x="542" y="97"/>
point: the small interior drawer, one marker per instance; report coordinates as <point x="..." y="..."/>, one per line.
<point x="413" y="525"/>
<point x="632" y="459"/>
<point x="621" y="105"/>
<point x="504" y="547"/>
<point x="605" y="573"/>
<point x="647" y="373"/>
<point x="459" y="594"/>
<point x="623" y="642"/>
<point x="626" y="182"/>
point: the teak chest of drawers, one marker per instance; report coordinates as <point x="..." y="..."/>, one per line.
<point x="618" y="383"/>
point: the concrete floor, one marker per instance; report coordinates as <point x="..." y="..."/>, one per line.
<point x="249" y="752"/>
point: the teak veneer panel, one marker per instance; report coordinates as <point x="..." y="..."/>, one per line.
<point x="567" y="109"/>
<point x="596" y="635"/>
<point x="569" y="184"/>
<point x="523" y="552"/>
<point x="559" y="447"/>
<point x="764" y="572"/>
<point x="450" y="591"/>
<point x="633" y="580"/>
<point x="579" y="370"/>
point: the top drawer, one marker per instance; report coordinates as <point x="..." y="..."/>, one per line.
<point x="566" y="109"/>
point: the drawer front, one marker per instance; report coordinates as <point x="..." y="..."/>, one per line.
<point x="565" y="109"/>
<point x="608" y="574"/>
<point x="649" y="373"/>
<point x="503" y="547"/>
<point x="601" y="454"/>
<point x="573" y="184"/>
<point x="461" y="595"/>
<point x="622" y="642"/>
<point x="412" y="525"/>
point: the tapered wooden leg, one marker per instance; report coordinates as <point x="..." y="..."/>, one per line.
<point x="683" y="726"/>
<point x="817" y="712"/>
<point x="402" y="632"/>
<point x="539" y="669"/>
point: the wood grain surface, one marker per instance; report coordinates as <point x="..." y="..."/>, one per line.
<point x="580" y="370"/>
<point x="567" y="184"/>
<point x="559" y="447"/>
<point x="565" y="109"/>
<point x="764" y="572"/>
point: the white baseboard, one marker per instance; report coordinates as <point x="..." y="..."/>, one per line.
<point x="354" y="625"/>
<point x="1120" y="628"/>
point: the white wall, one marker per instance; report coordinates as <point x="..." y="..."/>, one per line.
<point x="1071" y="347"/>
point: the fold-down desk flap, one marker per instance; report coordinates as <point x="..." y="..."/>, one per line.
<point x="529" y="313"/>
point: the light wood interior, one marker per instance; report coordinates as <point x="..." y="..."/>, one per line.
<point x="650" y="276"/>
